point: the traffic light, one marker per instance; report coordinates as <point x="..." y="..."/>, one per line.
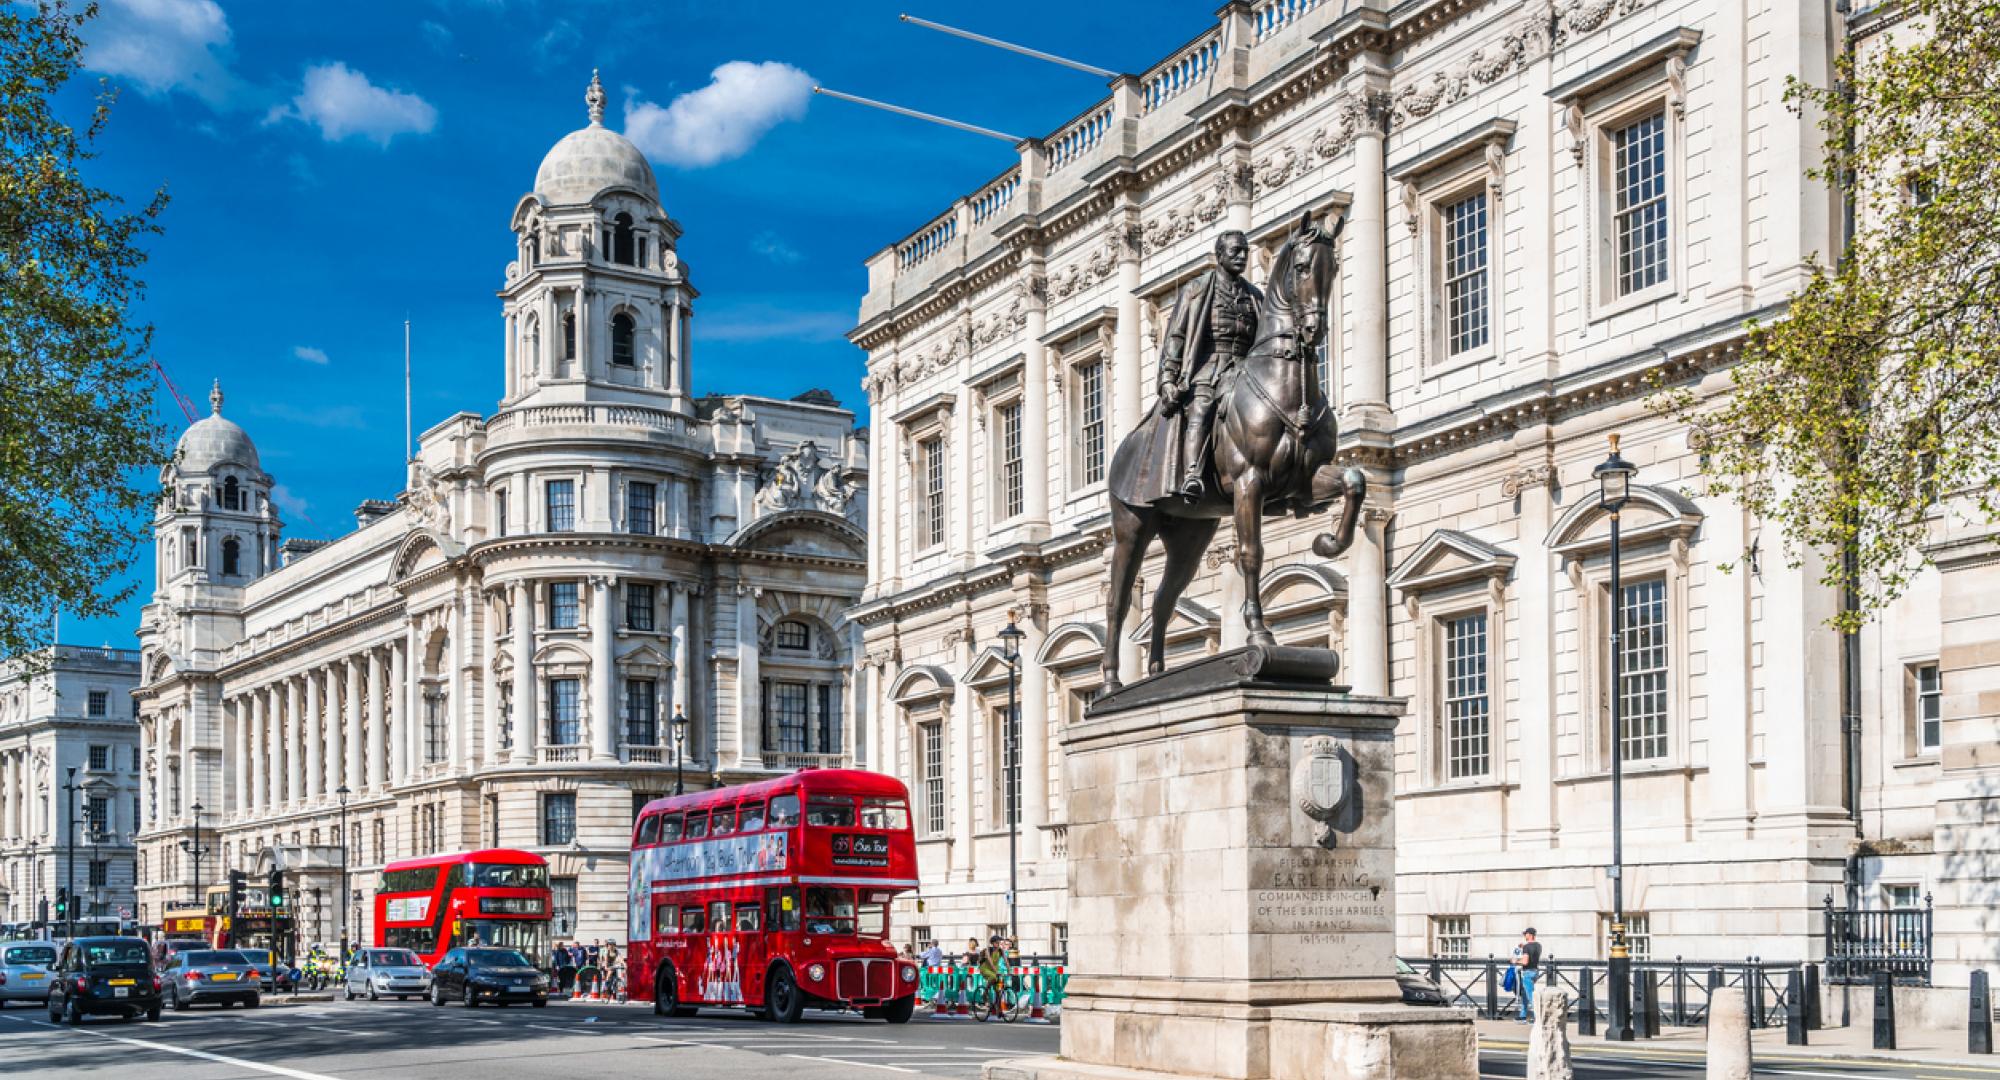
<point x="62" y="902"/>
<point x="235" y="892"/>
<point x="277" y="889"/>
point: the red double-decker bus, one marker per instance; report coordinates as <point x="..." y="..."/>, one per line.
<point x="773" y="896"/>
<point x="497" y="897"/>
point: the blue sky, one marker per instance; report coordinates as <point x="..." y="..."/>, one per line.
<point x="338" y="167"/>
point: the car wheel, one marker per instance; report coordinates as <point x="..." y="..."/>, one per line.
<point x="541" y="1003"/>
<point x="783" y="1000"/>
<point x="471" y="1002"/>
<point x="437" y="995"/>
<point x="253" y="1002"/>
<point x="153" y="1014"/>
<point x="74" y="1014"/>
<point x="349" y="991"/>
<point x="180" y="1003"/>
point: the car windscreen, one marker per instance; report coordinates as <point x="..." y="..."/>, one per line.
<point x="30" y="954"/>
<point x="394" y="958"/>
<point x="496" y="958"/>
<point x="115" y="952"/>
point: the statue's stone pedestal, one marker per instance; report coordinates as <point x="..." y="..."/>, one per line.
<point x="1232" y="885"/>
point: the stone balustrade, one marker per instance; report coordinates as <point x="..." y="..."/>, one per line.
<point x="1182" y="71"/>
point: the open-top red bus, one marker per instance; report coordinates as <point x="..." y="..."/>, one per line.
<point x="496" y="898"/>
<point x="774" y="896"/>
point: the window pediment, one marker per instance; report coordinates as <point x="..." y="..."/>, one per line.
<point x="987" y="670"/>
<point x="1450" y="557"/>
<point x="1189" y="619"/>
<point x="1072" y="645"/>
<point x="922" y="684"/>
<point x="1652" y="514"/>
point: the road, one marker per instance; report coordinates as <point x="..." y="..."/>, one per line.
<point x="369" y="1041"/>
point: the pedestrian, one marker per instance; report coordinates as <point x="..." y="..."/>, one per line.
<point x="565" y="968"/>
<point x="933" y="956"/>
<point x="1528" y="957"/>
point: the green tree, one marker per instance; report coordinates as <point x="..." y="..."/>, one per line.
<point x="1875" y="399"/>
<point x="76" y="426"/>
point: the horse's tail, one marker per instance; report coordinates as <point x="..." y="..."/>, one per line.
<point x="1328" y="545"/>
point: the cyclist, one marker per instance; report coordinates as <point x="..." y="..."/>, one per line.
<point x="993" y="969"/>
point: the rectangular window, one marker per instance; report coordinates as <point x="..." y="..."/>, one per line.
<point x="1467" y="712"/>
<point x="1930" y="708"/>
<point x="930" y="746"/>
<point x="100" y="758"/>
<point x="1903" y="897"/>
<point x="788" y="716"/>
<point x="1013" y="490"/>
<point x="499" y="513"/>
<point x="1639" y="216"/>
<point x="638" y="607"/>
<point x="1451" y="936"/>
<point x="1642" y="688"/>
<point x="930" y="530"/>
<point x="642" y="712"/>
<point x="1090" y="422"/>
<point x="435" y="732"/>
<point x="1006" y="751"/>
<point x="558" y="821"/>
<point x="792" y="634"/>
<point x="562" y="907"/>
<point x="565" y="728"/>
<point x="826" y="727"/>
<point x="639" y="508"/>
<point x="1059" y="938"/>
<point x="135" y="759"/>
<point x="100" y="874"/>
<point x="920" y="939"/>
<point x="97" y="814"/>
<point x="100" y="703"/>
<point x="1465" y="285"/>
<point x="562" y="505"/>
<point x="562" y="605"/>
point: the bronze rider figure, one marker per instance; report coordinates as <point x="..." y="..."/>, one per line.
<point x="1213" y="324"/>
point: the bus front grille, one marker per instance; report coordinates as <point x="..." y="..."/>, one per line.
<point x="864" y="980"/>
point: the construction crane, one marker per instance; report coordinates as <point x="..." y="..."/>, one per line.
<point x="187" y="407"/>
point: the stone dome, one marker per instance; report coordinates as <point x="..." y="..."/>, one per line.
<point x="591" y="159"/>
<point x="214" y="440"/>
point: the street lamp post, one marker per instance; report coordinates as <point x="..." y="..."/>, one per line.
<point x="346" y="909"/>
<point x="195" y="849"/>
<point x="680" y="725"/>
<point x="1010" y="650"/>
<point x="35" y="887"/>
<point x="69" y="857"/>
<point x="1614" y="479"/>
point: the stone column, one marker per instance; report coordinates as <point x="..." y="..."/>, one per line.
<point x="1367" y="269"/>
<point x="315" y="765"/>
<point x="489" y="687"/>
<point x="1727" y="627"/>
<point x="888" y="489"/>
<point x="1534" y="592"/>
<point x="160" y="764"/>
<point x="377" y="722"/>
<point x="672" y="313"/>
<point x="400" y="689"/>
<point x="677" y="624"/>
<point x="524" y="672"/>
<point x="1366" y="663"/>
<point x="458" y="712"/>
<point x="603" y="677"/>
<point x="354" y="731"/>
<point x="260" y="753"/>
<point x="1036" y="721"/>
<point x="9" y="825"/>
<point x="239" y="745"/>
<point x="295" y="778"/>
<point x="1035" y="401"/>
<point x="959" y="502"/>
<point x="959" y="741"/>
<point x="749" y="681"/>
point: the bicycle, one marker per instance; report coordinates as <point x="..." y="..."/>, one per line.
<point x="1000" y="1001"/>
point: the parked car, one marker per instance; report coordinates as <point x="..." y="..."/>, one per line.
<point x="218" y="975"/>
<point x="24" y="971"/>
<point x="379" y="972"/>
<point x="498" y="976"/>
<point x="98" y="976"/>
<point x="1417" y="989"/>
<point x="272" y="977"/>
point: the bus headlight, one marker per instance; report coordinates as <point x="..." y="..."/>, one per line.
<point x="909" y="974"/>
<point x="816" y="972"/>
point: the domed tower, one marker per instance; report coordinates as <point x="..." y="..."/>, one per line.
<point x="216" y="524"/>
<point x="596" y="302"/>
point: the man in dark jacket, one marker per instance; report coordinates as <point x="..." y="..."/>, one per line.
<point x="1214" y="323"/>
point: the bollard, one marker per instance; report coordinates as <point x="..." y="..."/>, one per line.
<point x="1795" y="1009"/>
<point x="1548" y="1041"/>
<point x="1679" y="977"/>
<point x="1652" y="1013"/>
<point x="1753" y="982"/>
<point x="1586" y="1017"/>
<point x="1638" y="1005"/>
<point x="1979" y="1026"/>
<point x="1812" y="998"/>
<point x="1492" y="990"/>
<point x="1728" y="1034"/>
<point x="1885" y="1012"/>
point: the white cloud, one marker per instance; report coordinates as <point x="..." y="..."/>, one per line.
<point x="163" y="45"/>
<point x="288" y="502"/>
<point x="773" y="247"/>
<point x="756" y="322"/>
<point x="561" y="39"/>
<point x="340" y="101"/>
<point x="722" y="120"/>
<point x="438" y="36"/>
<point x="309" y="354"/>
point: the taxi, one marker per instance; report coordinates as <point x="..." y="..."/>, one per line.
<point x="24" y="971"/>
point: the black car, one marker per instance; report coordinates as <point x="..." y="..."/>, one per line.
<point x="104" y="976"/>
<point x="499" y="976"/>
<point x="1417" y="990"/>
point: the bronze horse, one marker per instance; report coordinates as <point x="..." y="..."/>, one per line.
<point x="1272" y="453"/>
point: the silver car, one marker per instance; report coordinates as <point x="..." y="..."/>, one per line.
<point x="380" y="973"/>
<point x="24" y="971"/>
<point x="218" y="975"/>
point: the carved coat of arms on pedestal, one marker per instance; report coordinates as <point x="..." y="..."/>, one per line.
<point x="1320" y="782"/>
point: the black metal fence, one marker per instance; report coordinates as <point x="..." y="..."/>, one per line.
<point x="1676" y="991"/>
<point x="1861" y="944"/>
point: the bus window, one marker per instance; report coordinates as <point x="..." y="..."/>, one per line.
<point x="782" y="908"/>
<point x="884" y="814"/>
<point x="722" y="822"/>
<point x="692" y="921"/>
<point x="649" y="830"/>
<point x="829" y="911"/>
<point x="746" y="917"/>
<point x="874" y="920"/>
<point x="666" y="919"/>
<point x="833" y="810"/>
<point x="751" y="817"/>
<point x="670" y="828"/>
<point x="718" y="915"/>
<point x="697" y="826"/>
<point x="784" y="812"/>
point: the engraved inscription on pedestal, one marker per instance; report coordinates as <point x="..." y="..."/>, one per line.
<point x="1327" y="913"/>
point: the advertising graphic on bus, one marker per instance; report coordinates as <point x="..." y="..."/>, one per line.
<point x="498" y="898"/>
<point x="774" y="896"/>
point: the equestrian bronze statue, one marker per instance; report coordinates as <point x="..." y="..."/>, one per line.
<point x="1241" y="428"/>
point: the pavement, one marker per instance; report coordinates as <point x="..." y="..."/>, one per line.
<point x="1830" y="1052"/>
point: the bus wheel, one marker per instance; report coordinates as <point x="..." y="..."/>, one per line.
<point x="664" y="998"/>
<point x="783" y="1000"/>
<point x="900" y="1010"/>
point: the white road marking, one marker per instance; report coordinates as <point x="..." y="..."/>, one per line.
<point x="861" y="1064"/>
<point x="339" y="1031"/>
<point x="241" y="1063"/>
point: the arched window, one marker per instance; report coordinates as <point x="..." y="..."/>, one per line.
<point x="621" y="239"/>
<point x="569" y="336"/>
<point x="621" y="340"/>
<point x="231" y="496"/>
<point x="792" y="634"/>
<point x="232" y="553"/>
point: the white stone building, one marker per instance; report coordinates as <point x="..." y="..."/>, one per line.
<point x="494" y="658"/>
<point x="1548" y="203"/>
<point x="69" y="781"/>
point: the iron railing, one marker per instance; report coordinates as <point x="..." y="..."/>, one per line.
<point x="1680" y="986"/>
<point x="1861" y="944"/>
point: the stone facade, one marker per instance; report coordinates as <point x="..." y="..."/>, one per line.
<point x="1548" y="205"/>
<point x="494" y="659"/>
<point x="66" y="720"/>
